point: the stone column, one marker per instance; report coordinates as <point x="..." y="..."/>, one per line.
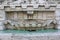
<point x="2" y="18"/>
<point x="57" y="13"/>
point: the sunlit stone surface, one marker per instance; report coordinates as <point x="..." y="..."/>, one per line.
<point x="29" y="15"/>
<point x="30" y="36"/>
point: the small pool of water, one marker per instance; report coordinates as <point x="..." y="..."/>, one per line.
<point x="22" y="31"/>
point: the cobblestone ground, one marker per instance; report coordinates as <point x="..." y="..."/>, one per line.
<point x="33" y="36"/>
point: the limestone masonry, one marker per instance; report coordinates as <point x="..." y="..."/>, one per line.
<point x="29" y="14"/>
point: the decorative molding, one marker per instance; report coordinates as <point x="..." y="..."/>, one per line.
<point x="30" y="12"/>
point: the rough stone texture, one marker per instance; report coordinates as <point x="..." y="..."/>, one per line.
<point x="37" y="10"/>
<point x="33" y="36"/>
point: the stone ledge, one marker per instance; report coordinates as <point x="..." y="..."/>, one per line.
<point x="33" y="36"/>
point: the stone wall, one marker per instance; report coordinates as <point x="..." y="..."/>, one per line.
<point x="37" y="36"/>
